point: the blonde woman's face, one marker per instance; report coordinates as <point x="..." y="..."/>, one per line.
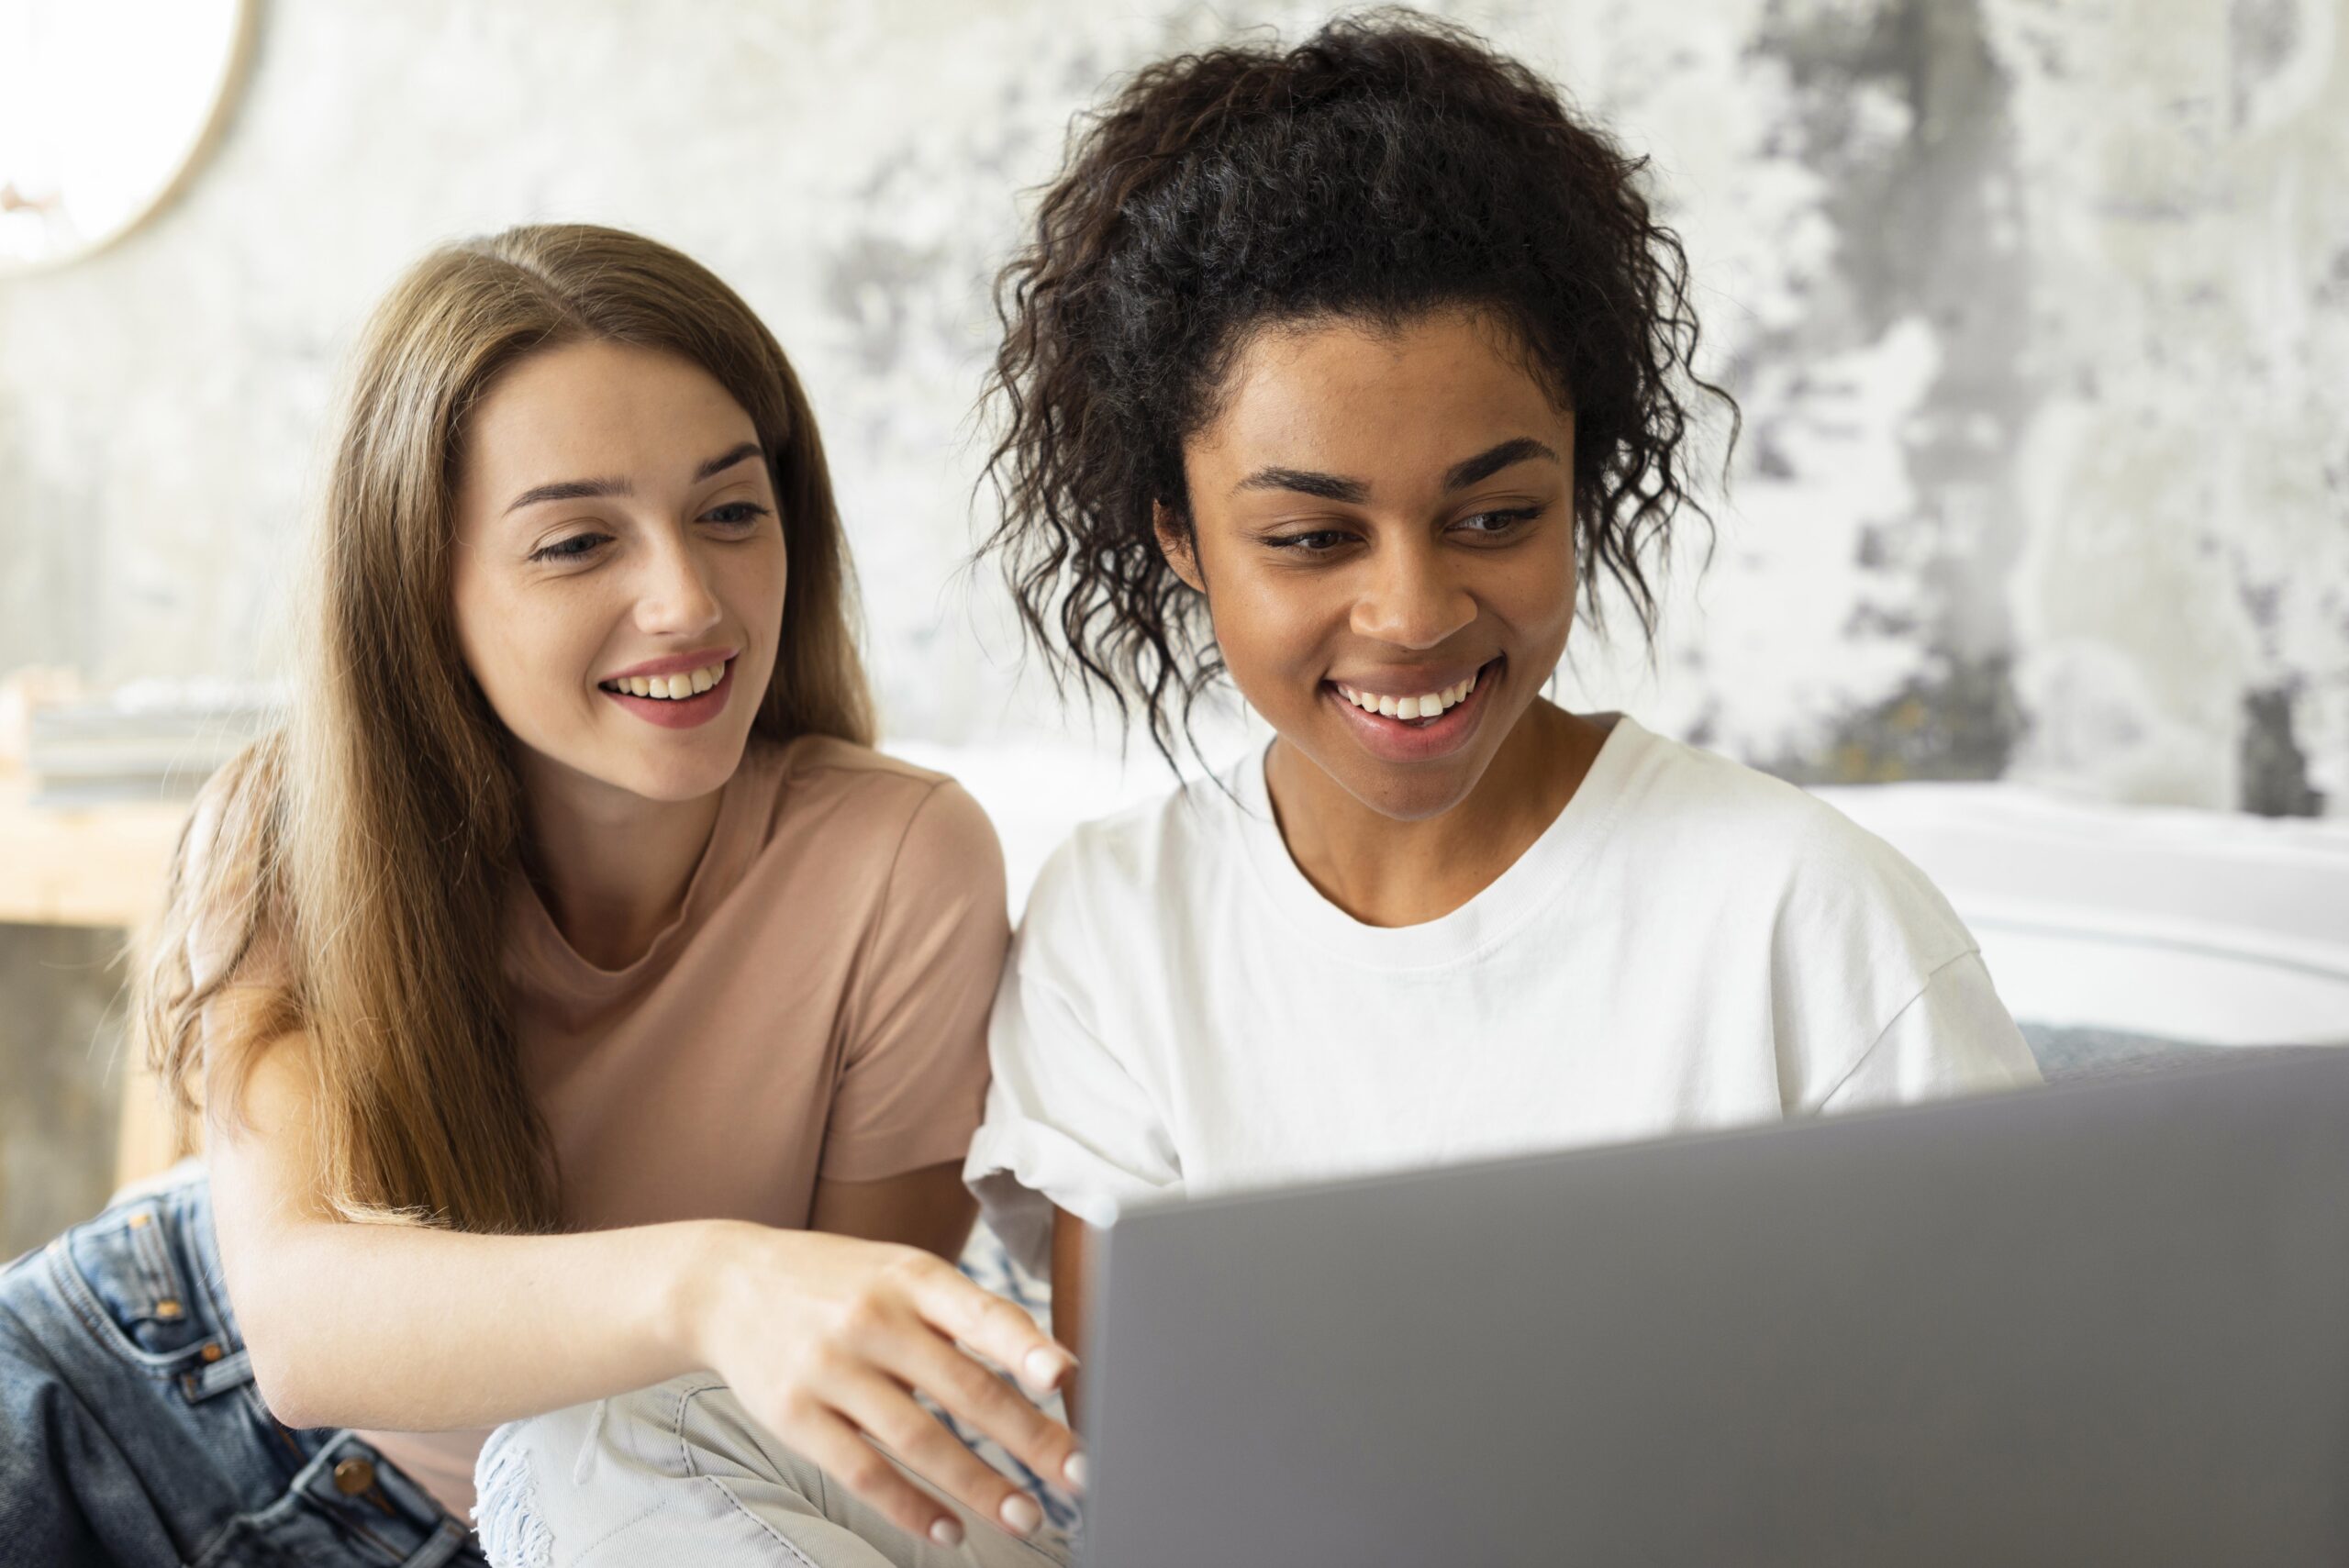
<point x="620" y="567"/>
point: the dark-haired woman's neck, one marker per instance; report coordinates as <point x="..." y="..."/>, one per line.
<point x="612" y="866"/>
<point x="1385" y="871"/>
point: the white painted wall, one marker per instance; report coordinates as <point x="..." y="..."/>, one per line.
<point x="2039" y="309"/>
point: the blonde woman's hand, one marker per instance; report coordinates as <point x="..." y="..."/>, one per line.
<point x="826" y="1338"/>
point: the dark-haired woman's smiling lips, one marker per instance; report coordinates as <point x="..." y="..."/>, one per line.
<point x="1406" y="718"/>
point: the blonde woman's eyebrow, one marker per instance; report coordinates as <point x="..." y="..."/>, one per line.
<point x="592" y="489"/>
<point x="569" y="490"/>
<point x="724" y="460"/>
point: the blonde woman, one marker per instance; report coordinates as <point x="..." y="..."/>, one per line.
<point x="569" y="999"/>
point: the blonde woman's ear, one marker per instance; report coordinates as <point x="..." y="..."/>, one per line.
<point x="1175" y="543"/>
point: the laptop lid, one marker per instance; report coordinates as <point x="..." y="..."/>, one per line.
<point x="2106" y="1323"/>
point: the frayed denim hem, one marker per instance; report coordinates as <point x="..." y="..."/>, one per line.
<point x="505" y="1514"/>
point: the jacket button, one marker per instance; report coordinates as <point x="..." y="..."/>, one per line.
<point x="353" y="1476"/>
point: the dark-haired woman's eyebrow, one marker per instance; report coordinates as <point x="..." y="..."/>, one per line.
<point x="1328" y="486"/>
<point x="1485" y="464"/>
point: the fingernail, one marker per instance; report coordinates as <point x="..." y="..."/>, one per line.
<point x="1020" y="1514"/>
<point x="1044" y="1366"/>
<point x="946" y="1532"/>
<point x="1077" y="1472"/>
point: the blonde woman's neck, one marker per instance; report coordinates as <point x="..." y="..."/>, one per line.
<point x="612" y="866"/>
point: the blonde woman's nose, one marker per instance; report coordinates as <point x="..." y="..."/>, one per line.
<point x="673" y="593"/>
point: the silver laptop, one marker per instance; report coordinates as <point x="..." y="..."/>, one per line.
<point x="2103" y="1324"/>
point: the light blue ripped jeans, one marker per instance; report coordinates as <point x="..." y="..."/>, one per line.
<point x="680" y="1473"/>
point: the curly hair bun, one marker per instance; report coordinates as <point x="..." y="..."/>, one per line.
<point x="1388" y="166"/>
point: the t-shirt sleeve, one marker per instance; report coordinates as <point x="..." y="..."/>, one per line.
<point x="1069" y="1123"/>
<point x="1879" y="995"/>
<point x="1954" y="1038"/>
<point x="914" y="1069"/>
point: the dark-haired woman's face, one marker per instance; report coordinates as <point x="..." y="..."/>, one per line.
<point x="1384" y="527"/>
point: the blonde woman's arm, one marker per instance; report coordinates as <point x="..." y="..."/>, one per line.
<point x="405" y="1327"/>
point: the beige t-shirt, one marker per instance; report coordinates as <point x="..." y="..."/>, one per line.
<point x="817" y="1009"/>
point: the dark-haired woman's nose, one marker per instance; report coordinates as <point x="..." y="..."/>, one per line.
<point x="1409" y="600"/>
<point x="674" y="597"/>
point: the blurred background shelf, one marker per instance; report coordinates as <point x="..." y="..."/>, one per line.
<point x="96" y="864"/>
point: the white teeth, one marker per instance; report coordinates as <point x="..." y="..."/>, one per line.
<point x="670" y="688"/>
<point x="1427" y="705"/>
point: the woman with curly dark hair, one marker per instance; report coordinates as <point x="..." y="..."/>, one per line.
<point x="1350" y="372"/>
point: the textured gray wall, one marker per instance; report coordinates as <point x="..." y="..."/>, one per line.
<point x="2036" y="308"/>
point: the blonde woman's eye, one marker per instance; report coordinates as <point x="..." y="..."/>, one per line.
<point x="737" y="514"/>
<point x="577" y="547"/>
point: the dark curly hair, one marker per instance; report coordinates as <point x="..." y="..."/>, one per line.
<point x="1390" y="165"/>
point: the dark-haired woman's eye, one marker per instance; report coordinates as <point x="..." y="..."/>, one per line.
<point x="736" y="514"/>
<point x="578" y="547"/>
<point x="1493" y="525"/>
<point x="1317" y="541"/>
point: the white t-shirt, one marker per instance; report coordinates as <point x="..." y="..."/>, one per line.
<point x="1690" y="945"/>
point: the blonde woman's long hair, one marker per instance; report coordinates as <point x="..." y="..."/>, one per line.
<point x="352" y="867"/>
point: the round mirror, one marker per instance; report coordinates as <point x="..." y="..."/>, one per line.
<point x="105" y="106"/>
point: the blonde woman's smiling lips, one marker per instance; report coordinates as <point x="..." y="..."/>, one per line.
<point x="1410" y="719"/>
<point x="681" y="691"/>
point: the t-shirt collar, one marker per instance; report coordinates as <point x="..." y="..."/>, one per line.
<point x="543" y="960"/>
<point x="1538" y="876"/>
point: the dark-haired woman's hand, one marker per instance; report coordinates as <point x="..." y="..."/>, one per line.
<point x="826" y="1338"/>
